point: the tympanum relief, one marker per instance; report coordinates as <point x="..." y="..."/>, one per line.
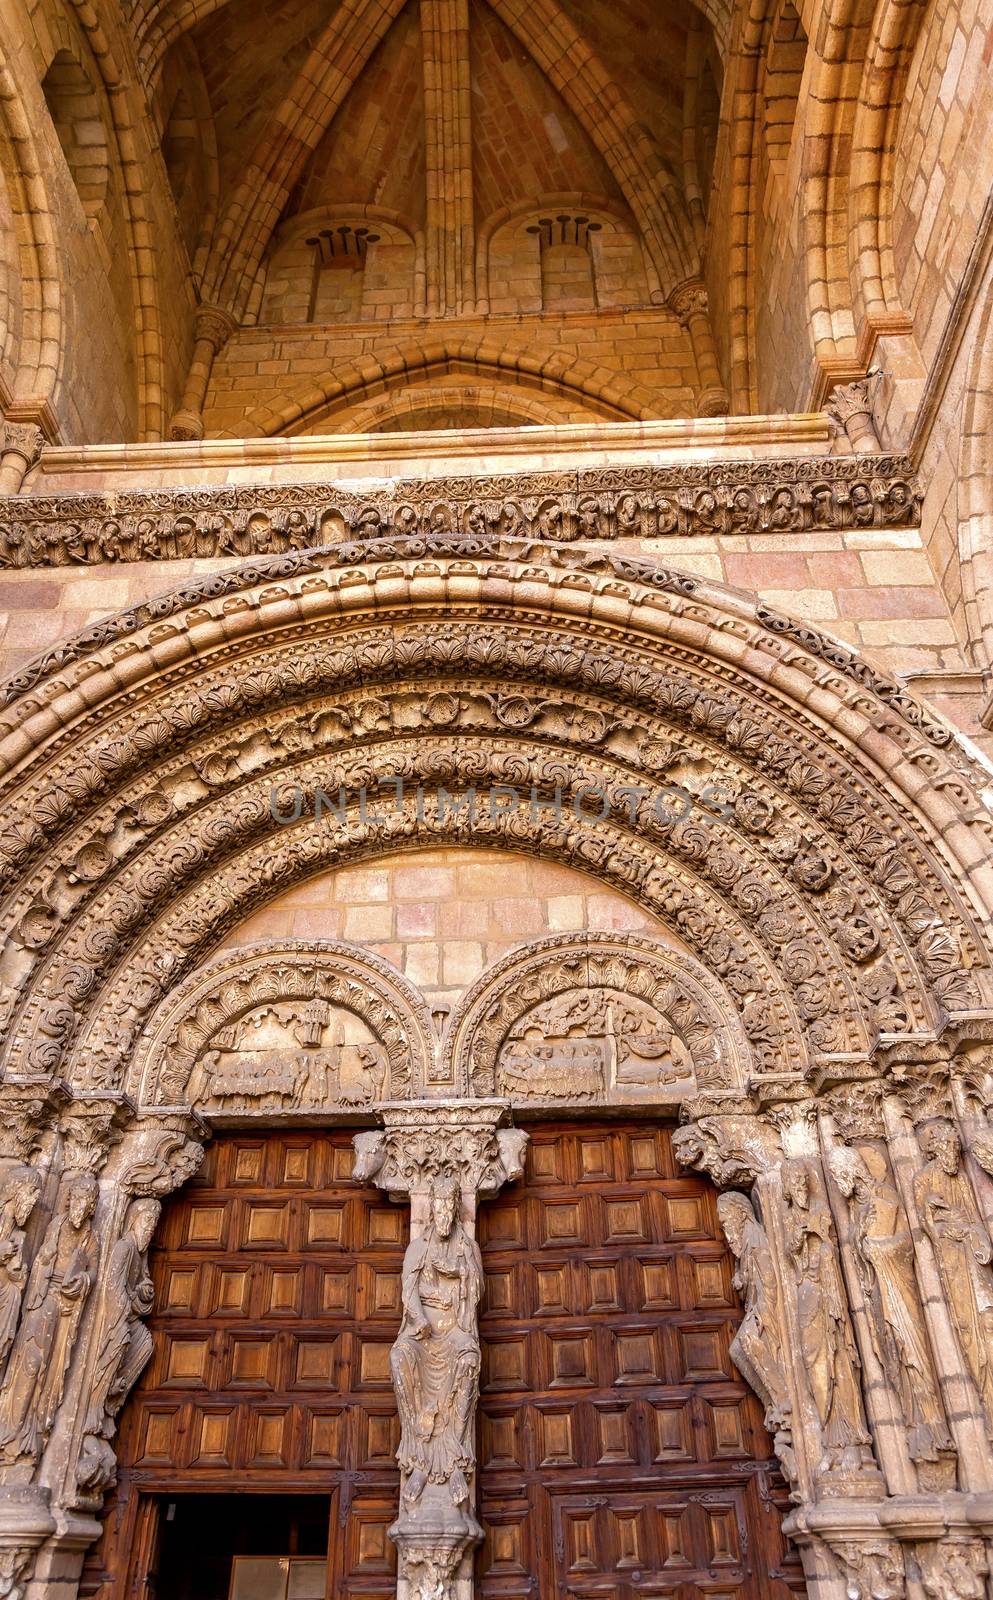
<point x="290" y="1058"/>
<point x="599" y="1019"/>
<point x="593" y="1046"/>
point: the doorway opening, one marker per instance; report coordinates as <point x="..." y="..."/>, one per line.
<point x="242" y="1547"/>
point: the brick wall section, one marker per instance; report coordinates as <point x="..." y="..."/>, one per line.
<point x="441" y="916"/>
<point x="873" y="589"/>
<point x="944" y="162"/>
<point x="643" y="359"/>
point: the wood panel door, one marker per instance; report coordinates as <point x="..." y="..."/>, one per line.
<point x="622" y="1457"/>
<point x="277" y="1299"/>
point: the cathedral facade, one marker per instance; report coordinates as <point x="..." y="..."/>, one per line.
<point x="496" y="937"/>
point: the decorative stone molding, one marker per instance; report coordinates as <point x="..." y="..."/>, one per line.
<point x="444" y="1155"/>
<point x="608" y="503"/>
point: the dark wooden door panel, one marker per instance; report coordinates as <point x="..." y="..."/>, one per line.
<point x="621" y="1456"/>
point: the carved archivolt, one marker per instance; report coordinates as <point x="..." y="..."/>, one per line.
<point x="814" y="890"/>
<point x="601" y="1019"/>
<point x="816" y="839"/>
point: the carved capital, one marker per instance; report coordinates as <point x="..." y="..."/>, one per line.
<point x="873" y="1568"/>
<point x="21" y="439"/>
<point x="850" y="400"/>
<point x="732" y="1147"/>
<point x="27" y="1107"/>
<point x="424" y="1141"/>
<point x="687" y="300"/>
<point x="953" y="1569"/>
<point x="159" y="1154"/>
<point x="214" y="326"/>
<point x="850" y="409"/>
<point x="90" y="1126"/>
<point x="857" y="1110"/>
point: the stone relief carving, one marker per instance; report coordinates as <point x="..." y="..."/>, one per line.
<point x="759" y="1346"/>
<point x="593" y="1019"/>
<point x="445" y="1155"/>
<point x="828" y="1348"/>
<point x="607" y="503"/>
<point x="884" y="1253"/>
<point x="955" y="1570"/>
<point x="20" y="1192"/>
<point x="963" y="1249"/>
<point x="435" y="1369"/>
<point x="293" y="1028"/>
<point x="123" y="1343"/>
<point x="61" y="1278"/>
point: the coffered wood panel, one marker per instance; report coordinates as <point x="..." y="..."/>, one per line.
<point x="621" y="1456"/>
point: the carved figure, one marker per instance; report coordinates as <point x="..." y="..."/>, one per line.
<point x="21" y="1190"/>
<point x="962" y="1245"/>
<point x="757" y="1347"/>
<point x="56" y="1296"/>
<point x="125" y="1344"/>
<point x="829" y="1355"/>
<point x="435" y="1361"/>
<point x="884" y="1255"/>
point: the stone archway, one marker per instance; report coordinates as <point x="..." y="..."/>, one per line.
<point x="813" y="837"/>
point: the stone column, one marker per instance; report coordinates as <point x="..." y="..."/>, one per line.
<point x="850" y="409"/>
<point x="444" y="1156"/>
<point x="451" y="243"/>
<point x="20" y="447"/>
<point x="212" y="331"/>
<point x="688" y="302"/>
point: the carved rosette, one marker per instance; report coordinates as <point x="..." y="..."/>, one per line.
<point x="445" y="1156"/>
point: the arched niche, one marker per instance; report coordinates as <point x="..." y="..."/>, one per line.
<point x="562" y="253"/>
<point x="326" y="267"/>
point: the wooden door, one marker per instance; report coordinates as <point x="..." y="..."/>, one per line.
<point x="277" y="1298"/>
<point x="622" y="1457"/>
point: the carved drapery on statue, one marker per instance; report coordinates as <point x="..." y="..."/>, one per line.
<point x="445" y="1155"/>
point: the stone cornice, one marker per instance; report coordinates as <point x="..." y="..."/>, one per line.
<point x="619" y="502"/>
